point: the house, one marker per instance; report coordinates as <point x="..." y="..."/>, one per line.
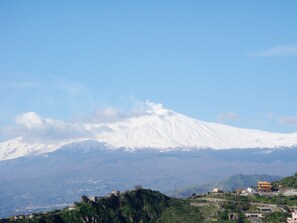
<point x="250" y="190"/>
<point x="71" y="208"/>
<point x="194" y="195"/>
<point x="19" y="217"/>
<point x="31" y="216"/>
<point x="240" y="191"/>
<point x="253" y="215"/>
<point x="293" y="219"/>
<point x="217" y="191"/>
<point x="94" y="199"/>
<point x="115" y="193"/>
<point x="264" y="186"/>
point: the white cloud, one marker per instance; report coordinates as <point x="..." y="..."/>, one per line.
<point x="112" y="114"/>
<point x="30" y="121"/>
<point x="107" y="115"/>
<point x="34" y="128"/>
<point x="227" y="116"/>
<point x="288" y="120"/>
<point x="286" y="50"/>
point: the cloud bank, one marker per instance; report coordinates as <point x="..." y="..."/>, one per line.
<point x="34" y="128"/>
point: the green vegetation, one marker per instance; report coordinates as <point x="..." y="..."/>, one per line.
<point x="144" y="205"/>
<point x="133" y="206"/>
<point x="290" y="182"/>
<point x="276" y="217"/>
<point x="279" y="199"/>
<point x="181" y="211"/>
<point x="139" y="205"/>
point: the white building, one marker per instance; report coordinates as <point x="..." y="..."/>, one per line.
<point x="115" y="193"/>
<point x="293" y="219"/>
<point x="250" y="190"/>
<point x="290" y="192"/>
<point x="217" y="190"/>
<point x="94" y="199"/>
<point x="253" y="215"/>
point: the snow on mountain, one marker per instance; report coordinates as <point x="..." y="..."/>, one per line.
<point x="16" y="148"/>
<point x="164" y="129"/>
<point x="158" y="128"/>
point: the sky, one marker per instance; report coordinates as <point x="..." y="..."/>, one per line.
<point x="231" y="62"/>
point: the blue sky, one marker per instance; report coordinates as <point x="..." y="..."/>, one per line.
<point x="233" y="62"/>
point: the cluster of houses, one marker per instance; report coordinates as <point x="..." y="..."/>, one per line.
<point x="263" y="188"/>
<point x="112" y="193"/>
<point x="97" y="198"/>
<point x="22" y="216"/>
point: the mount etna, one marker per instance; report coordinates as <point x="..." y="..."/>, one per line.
<point x="157" y="148"/>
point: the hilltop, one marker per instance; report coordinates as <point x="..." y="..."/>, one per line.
<point x="141" y="205"/>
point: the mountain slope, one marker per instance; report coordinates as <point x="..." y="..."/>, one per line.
<point x="156" y="128"/>
<point x="290" y="182"/>
<point x="164" y="129"/>
<point x="229" y="184"/>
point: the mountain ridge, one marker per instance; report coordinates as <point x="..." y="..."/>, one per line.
<point x="156" y="128"/>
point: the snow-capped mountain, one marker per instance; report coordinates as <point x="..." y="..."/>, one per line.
<point x="164" y="129"/>
<point x="158" y="128"/>
<point x="17" y="147"/>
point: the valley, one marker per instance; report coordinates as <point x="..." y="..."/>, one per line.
<point x="57" y="179"/>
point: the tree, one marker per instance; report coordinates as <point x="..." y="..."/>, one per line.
<point x="85" y="199"/>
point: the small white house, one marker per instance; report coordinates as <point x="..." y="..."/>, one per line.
<point x="115" y="193"/>
<point x="217" y="190"/>
<point x="94" y="199"/>
<point x="293" y="219"/>
<point x="250" y="190"/>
